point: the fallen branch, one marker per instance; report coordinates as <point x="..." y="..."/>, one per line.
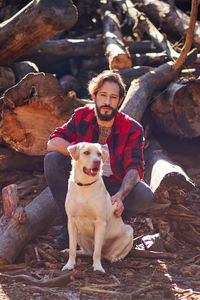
<point x="145" y="289"/>
<point x="24" y="223"/>
<point x="101" y="291"/>
<point x="151" y="254"/>
<point x="115" y="50"/>
<point x="61" y="281"/>
<point x="189" y="37"/>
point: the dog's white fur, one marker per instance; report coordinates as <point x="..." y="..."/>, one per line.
<point x="91" y="220"/>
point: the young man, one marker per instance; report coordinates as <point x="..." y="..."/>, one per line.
<point x="121" y="135"/>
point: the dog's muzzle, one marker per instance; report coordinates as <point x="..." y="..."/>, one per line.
<point x="92" y="171"/>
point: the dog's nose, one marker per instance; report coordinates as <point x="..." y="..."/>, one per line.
<point x="96" y="162"/>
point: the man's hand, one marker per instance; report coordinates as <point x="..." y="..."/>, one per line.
<point x="120" y="206"/>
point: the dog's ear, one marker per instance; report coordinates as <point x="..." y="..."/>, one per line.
<point x="104" y="155"/>
<point x="74" y="151"/>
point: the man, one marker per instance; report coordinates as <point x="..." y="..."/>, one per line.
<point x="121" y="135"/>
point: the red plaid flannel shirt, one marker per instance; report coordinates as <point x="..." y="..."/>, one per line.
<point x="125" y="142"/>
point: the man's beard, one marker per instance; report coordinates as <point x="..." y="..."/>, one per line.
<point x="105" y="117"/>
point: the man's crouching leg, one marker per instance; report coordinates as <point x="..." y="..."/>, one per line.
<point x="139" y="201"/>
<point x="57" y="168"/>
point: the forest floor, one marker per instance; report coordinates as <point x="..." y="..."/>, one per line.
<point x="134" y="277"/>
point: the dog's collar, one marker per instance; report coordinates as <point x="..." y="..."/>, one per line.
<point x="85" y="184"/>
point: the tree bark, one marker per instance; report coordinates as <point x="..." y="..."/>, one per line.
<point x="128" y="75"/>
<point x="64" y="48"/>
<point x="139" y="60"/>
<point x="172" y="188"/>
<point x="115" y="51"/>
<point x="177" y="110"/>
<point x="189" y="37"/>
<point x="139" y="94"/>
<point x="31" y="110"/>
<point x="170" y="18"/>
<point x="166" y="178"/>
<point x="36" y="22"/>
<point x="22" y="68"/>
<point x="20" y="225"/>
<point x="146" y="25"/>
<point x="10" y="159"/>
<point x="7" y="78"/>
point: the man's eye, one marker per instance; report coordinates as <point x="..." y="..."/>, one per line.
<point x="87" y="152"/>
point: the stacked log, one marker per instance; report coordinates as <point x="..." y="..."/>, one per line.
<point x="20" y="225"/>
<point x="36" y="22"/>
<point x="177" y="109"/>
<point x="115" y="51"/>
<point x="172" y="189"/>
<point x="30" y="112"/>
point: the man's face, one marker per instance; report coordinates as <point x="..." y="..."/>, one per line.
<point x="107" y="101"/>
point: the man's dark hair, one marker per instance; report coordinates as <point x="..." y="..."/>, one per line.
<point x="97" y="82"/>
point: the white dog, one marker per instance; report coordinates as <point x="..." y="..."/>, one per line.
<point x="91" y="220"/>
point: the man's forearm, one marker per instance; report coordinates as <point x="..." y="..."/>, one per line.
<point x="130" y="180"/>
<point x="58" y="144"/>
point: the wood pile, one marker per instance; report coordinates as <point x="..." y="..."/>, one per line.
<point x="50" y="49"/>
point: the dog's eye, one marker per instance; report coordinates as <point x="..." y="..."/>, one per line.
<point x="99" y="154"/>
<point x="87" y="152"/>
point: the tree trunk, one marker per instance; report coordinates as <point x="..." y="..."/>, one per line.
<point x="172" y="188"/>
<point x="22" y="68"/>
<point x="36" y="22"/>
<point x="139" y="94"/>
<point x="10" y="159"/>
<point x="67" y="47"/>
<point x="20" y="225"/>
<point x="170" y="18"/>
<point x="115" y="50"/>
<point x="177" y="110"/>
<point x="167" y="179"/>
<point x="31" y="110"/>
<point x="64" y="48"/>
<point x="146" y="25"/>
<point x="7" y="78"/>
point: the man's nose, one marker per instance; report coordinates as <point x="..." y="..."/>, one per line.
<point x="107" y="100"/>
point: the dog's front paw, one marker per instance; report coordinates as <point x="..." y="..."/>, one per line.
<point x="69" y="266"/>
<point x="65" y="250"/>
<point x="115" y="259"/>
<point x="98" y="267"/>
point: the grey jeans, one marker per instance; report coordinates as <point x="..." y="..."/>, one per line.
<point x="57" y="169"/>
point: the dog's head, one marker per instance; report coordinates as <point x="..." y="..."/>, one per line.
<point x="89" y="156"/>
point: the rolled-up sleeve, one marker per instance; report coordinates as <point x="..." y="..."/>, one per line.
<point x="67" y="131"/>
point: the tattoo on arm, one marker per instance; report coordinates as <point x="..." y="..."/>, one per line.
<point x="130" y="180"/>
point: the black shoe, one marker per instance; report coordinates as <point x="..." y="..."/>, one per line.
<point x="61" y="241"/>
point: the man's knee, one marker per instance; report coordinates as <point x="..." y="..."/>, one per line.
<point x="140" y="200"/>
<point x="53" y="159"/>
<point x="56" y="165"/>
<point x="147" y="195"/>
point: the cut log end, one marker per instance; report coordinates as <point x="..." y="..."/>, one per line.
<point x="32" y="109"/>
<point x="121" y="61"/>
